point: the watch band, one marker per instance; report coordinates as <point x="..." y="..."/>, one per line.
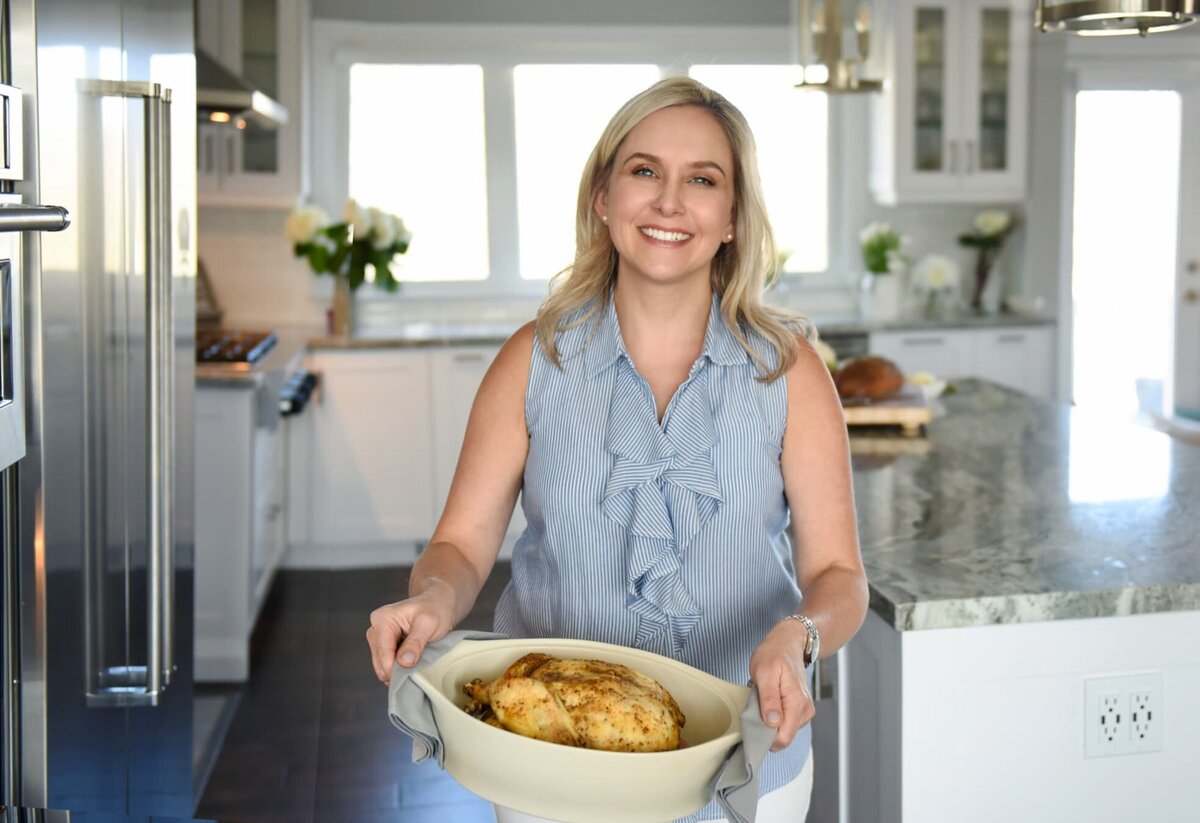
<point x="812" y="649"/>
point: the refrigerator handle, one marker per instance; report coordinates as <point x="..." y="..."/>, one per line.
<point x="143" y="685"/>
<point x="33" y="218"/>
<point x="165" y="362"/>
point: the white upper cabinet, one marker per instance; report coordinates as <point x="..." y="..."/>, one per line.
<point x="950" y="125"/>
<point x="264" y="42"/>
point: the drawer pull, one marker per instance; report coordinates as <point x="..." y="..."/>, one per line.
<point x="468" y="357"/>
<point x="924" y="341"/>
<point x="1011" y="338"/>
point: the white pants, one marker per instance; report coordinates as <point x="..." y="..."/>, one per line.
<point x="787" y="804"/>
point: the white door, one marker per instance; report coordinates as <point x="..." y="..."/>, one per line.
<point x="1135" y="272"/>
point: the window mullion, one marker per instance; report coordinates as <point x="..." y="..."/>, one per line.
<point x="501" y="147"/>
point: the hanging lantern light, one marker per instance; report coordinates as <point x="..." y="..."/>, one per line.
<point x="1101" y="18"/>
<point x="833" y="49"/>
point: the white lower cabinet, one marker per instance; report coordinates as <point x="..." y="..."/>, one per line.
<point x="372" y="454"/>
<point x="1021" y="357"/>
<point x="456" y="374"/>
<point x="376" y="451"/>
<point x="240" y="467"/>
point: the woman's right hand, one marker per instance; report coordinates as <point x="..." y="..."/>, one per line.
<point x="400" y="631"/>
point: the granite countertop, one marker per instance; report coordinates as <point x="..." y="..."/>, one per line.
<point x="285" y="355"/>
<point x="853" y="324"/>
<point x="1014" y="510"/>
<point x="423" y="335"/>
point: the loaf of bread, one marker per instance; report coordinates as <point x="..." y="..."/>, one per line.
<point x="869" y="377"/>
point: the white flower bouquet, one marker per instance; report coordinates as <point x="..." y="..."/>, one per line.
<point x="361" y="247"/>
<point x="935" y="283"/>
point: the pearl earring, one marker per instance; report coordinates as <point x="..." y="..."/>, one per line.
<point x="604" y="218"/>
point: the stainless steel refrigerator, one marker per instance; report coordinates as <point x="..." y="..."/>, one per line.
<point x="96" y="359"/>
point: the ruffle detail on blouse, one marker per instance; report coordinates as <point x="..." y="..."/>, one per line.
<point x="662" y="489"/>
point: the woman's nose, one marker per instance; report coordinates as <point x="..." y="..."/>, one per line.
<point x="669" y="200"/>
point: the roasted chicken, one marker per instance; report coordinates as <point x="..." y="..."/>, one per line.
<point x="587" y="703"/>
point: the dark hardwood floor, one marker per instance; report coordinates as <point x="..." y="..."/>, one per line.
<point x="311" y="740"/>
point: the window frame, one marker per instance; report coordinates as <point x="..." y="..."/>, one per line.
<point x="497" y="48"/>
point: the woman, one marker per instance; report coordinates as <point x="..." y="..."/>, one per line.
<point x="662" y="423"/>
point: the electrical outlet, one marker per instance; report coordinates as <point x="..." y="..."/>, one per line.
<point x="1123" y="714"/>
<point x="1145" y="729"/>
<point x="1106" y="726"/>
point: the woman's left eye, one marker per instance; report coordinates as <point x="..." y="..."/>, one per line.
<point x="707" y="181"/>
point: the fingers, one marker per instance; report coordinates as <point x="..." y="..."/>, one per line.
<point x="420" y="633"/>
<point x="383" y="636"/>
<point x="399" y="633"/>
<point x="784" y="704"/>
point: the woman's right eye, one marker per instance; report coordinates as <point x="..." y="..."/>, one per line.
<point x="644" y="171"/>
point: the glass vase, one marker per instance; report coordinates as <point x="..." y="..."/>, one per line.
<point x="342" y="312"/>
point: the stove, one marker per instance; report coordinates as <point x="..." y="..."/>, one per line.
<point x="233" y="347"/>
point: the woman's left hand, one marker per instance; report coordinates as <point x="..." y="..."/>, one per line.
<point x="777" y="669"/>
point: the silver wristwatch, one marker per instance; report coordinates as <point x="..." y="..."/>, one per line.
<point x="812" y="649"/>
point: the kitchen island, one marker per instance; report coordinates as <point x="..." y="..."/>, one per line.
<point x="1030" y="564"/>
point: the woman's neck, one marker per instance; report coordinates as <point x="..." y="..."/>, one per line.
<point x="663" y="321"/>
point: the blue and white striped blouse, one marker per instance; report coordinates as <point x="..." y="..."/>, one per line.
<point x="669" y="538"/>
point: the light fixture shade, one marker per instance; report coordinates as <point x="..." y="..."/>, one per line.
<point x="834" y="46"/>
<point x="1102" y="18"/>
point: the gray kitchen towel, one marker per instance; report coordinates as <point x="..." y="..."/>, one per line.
<point x="409" y="707"/>
<point x="735" y="786"/>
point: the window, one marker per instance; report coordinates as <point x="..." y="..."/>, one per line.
<point x="477" y="136"/>
<point x="560" y="113"/>
<point x="791" y="129"/>
<point x="417" y="150"/>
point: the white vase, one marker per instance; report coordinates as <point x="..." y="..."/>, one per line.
<point x="880" y="296"/>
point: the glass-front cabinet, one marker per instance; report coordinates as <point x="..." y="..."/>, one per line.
<point x="950" y="124"/>
<point x="243" y="163"/>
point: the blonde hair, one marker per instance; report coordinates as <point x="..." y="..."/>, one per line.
<point x="741" y="269"/>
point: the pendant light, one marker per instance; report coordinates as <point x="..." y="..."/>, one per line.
<point x="834" y="50"/>
<point x="1100" y="18"/>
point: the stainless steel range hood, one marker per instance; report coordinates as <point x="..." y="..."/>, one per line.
<point x="223" y="97"/>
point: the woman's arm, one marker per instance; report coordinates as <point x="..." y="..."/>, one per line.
<point x="829" y="570"/>
<point x="448" y="575"/>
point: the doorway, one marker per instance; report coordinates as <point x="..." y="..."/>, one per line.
<point x="1135" y="274"/>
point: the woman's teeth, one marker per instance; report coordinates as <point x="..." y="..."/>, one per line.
<point x="669" y="236"/>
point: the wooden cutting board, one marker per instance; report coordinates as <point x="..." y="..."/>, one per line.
<point x="907" y="409"/>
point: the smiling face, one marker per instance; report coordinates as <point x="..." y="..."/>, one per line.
<point x="669" y="201"/>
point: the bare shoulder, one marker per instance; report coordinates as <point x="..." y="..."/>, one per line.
<point x="508" y="375"/>
<point x="517" y="350"/>
<point x="809" y="382"/>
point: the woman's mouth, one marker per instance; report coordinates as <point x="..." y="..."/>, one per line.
<point x="664" y="235"/>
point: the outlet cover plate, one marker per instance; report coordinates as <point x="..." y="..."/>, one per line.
<point x="1123" y="714"/>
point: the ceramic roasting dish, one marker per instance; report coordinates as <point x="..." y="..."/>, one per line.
<point x="583" y="785"/>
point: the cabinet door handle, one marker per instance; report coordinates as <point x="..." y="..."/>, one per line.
<point x="954" y="157"/>
<point x="970" y="157"/>
<point x="468" y="357"/>
<point x="923" y="341"/>
<point x="209" y="165"/>
<point x="1015" y="337"/>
